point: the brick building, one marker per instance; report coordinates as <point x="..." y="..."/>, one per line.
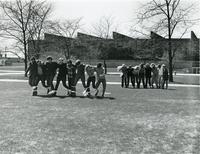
<point x="120" y="47"/>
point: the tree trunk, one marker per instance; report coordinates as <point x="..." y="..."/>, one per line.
<point x="170" y="60"/>
<point x="169" y="44"/>
<point x="25" y="51"/>
<point x="25" y="60"/>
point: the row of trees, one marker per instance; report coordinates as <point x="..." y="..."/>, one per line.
<point x="25" y="20"/>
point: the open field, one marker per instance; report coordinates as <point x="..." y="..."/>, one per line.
<point x="125" y="121"/>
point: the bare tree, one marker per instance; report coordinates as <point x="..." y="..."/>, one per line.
<point x="38" y="23"/>
<point x="104" y="27"/>
<point x="67" y="29"/>
<point x="20" y="19"/>
<point x="164" y="17"/>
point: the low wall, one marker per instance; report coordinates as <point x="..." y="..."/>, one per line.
<point x="115" y="63"/>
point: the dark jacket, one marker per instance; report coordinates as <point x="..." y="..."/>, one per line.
<point x="80" y="69"/>
<point x="32" y="69"/>
<point x="130" y="71"/>
<point x="71" y="71"/>
<point x="142" y="72"/>
<point x="50" y="68"/>
<point x="62" y="69"/>
<point x="165" y="74"/>
<point x="148" y="71"/>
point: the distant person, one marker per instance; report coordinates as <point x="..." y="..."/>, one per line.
<point x="141" y="76"/>
<point x="165" y="77"/>
<point x="80" y="73"/>
<point x="33" y="75"/>
<point x="124" y="77"/>
<point x="160" y="75"/>
<point x="148" y="75"/>
<point x="130" y="76"/>
<point x="154" y="75"/>
<point x="136" y="76"/>
<point x="71" y="73"/>
<point x="101" y="79"/>
<point x="61" y="74"/>
<point x="51" y="68"/>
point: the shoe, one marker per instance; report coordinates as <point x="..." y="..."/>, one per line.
<point x="96" y="93"/>
<point x="34" y="93"/>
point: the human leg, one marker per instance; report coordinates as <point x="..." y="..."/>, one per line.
<point x="104" y="87"/>
<point x="122" y="81"/>
<point x="63" y="79"/>
<point x="57" y="82"/>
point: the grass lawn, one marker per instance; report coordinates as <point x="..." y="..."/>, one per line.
<point x="125" y="121"/>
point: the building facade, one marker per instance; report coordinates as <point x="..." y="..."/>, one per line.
<point x="120" y="47"/>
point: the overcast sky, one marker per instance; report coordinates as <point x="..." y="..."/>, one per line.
<point x="123" y="11"/>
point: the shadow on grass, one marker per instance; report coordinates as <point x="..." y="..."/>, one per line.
<point x="149" y="88"/>
<point x="62" y="97"/>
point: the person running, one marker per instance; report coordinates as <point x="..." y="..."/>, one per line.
<point x="51" y="68"/>
<point x="41" y="73"/>
<point x="71" y="73"/>
<point x="100" y="79"/>
<point x="90" y="70"/>
<point x="80" y="73"/>
<point x="165" y="77"/>
<point x="33" y="75"/>
<point x="61" y="74"/>
<point x="141" y="76"/>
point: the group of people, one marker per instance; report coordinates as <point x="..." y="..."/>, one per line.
<point x="68" y="73"/>
<point x="149" y="74"/>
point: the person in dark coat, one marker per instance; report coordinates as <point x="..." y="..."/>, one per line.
<point x="50" y="70"/>
<point x="41" y="73"/>
<point x="130" y="76"/>
<point x="148" y="75"/>
<point x="141" y="76"/>
<point x="124" y="71"/>
<point x="61" y="74"/>
<point x="71" y="73"/>
<point x="80" y="73"/>
<point x="165" y="77"/>
<point x="33" y="75"/>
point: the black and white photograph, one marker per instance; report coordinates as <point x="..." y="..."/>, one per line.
<point x="99" y="76"/>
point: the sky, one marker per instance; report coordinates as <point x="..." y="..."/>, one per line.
<point x="124" y="13"/>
